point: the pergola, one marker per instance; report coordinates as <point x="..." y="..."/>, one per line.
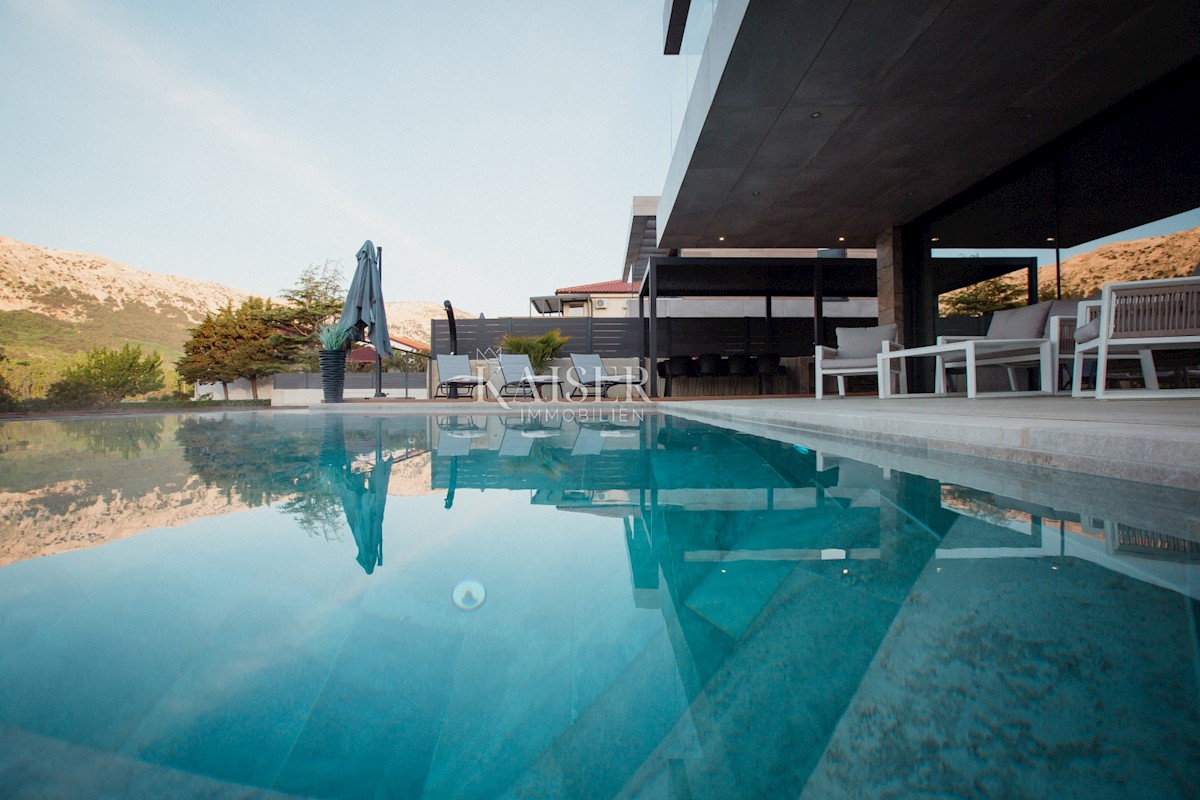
<point x="820" y="278"/>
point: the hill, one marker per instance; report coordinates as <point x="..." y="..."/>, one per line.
<point x="1170" y="256"/>
<point x="55" y="304"/>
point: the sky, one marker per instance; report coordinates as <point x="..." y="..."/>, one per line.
<point x="492" y="149"/>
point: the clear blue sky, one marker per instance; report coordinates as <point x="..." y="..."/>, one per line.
<point x="492" y="148"/>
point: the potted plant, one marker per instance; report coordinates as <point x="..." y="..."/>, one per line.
<point x="540" y="349"/>
<point x="332" y="355"/>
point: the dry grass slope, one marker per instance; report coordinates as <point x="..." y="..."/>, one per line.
<point x="1170" y="256"/>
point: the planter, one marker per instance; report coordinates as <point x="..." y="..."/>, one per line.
<point x="333" y="374"/>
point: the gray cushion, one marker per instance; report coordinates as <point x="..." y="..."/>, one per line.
<point x="1027" y="322"/>
<point x="1088" y="332"/>
<point x="848" y="363"/>
<point x="1060" y="308"/>
<point x="863" y="342"/>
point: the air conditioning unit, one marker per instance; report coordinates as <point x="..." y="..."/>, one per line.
<point x="600" y="302"/>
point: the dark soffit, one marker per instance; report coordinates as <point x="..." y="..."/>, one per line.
<point x="836" y="118"/>
<point x="796" y="277"/>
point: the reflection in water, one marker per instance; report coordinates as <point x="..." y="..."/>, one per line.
<point x="362" y="490"/>
<point x="328" y="478"/>
<point x="124" y="436"/>
<point x="673" y="610"/>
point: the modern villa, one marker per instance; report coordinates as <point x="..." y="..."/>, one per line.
<point x="913" y="128"/>
<point x="659" y="566"/>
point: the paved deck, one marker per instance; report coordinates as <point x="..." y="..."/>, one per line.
<point x="1150" y="441"/>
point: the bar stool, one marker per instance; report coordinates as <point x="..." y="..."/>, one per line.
<point x="742" y="366"/>
<point x="768" y="368"/>
<point x="680" y="367"/>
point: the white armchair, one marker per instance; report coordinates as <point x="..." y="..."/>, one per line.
<point x="855" y="355"/>
<point x="1131" y="321"/>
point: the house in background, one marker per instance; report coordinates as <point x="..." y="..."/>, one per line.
<point x="604" y="299"/>
<point x="619" y="298"/>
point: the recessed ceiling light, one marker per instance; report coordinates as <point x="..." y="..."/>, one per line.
<point x="1049" y="238"/>
<point x="815" y="114"/>
<point x="936" y="239"/>
<point x="720" y="238"/>
<point x="841" y="238"/>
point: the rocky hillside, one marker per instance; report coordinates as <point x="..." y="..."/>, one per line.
<point x="78" y="288"/>
<point x="1170" y="256"/>
<point x="410" y="318"/>
<point x="56" y="303"/>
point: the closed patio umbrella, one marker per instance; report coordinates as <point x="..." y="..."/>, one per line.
<point x="364" y="308"/>
<point x="364" y="301"/>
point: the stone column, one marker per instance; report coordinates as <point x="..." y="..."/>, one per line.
<point x="889" y="280"/>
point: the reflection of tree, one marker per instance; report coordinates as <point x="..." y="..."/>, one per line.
<point x="128" y="436"/>
<point x="318" y="515"/>
<point x="258" y="465"/>
<point x="305" y="472"/>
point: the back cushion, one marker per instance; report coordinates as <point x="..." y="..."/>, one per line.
<point x="1026" y="322"/>
<point x="863" y="342"/>
<point x="1060" y="308"/>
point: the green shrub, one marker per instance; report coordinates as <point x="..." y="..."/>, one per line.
<point x="108" y="376"/>
<point x="73" y="392"/>
<point x="540" y="349"/>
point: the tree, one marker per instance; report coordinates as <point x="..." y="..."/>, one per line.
<point x="206" y="352"/>
<point x="984" y="298"/>
<point x="317" y="296"/>
<point x="236" y="343"/>
<point x="7" y="401"/>
<point x="258" y="349"/>
<point x="108" y="376"/>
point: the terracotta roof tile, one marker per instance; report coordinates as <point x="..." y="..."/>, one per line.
<point x="604" y="287"/>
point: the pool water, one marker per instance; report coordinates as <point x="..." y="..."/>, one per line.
<point x="288" y="604"/>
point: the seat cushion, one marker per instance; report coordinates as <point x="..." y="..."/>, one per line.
<point x="863" y="342"/>
<point x="1026" y="322"/>
<point x="847" y="363"/>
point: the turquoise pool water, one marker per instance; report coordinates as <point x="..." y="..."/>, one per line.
<point x="263" y="605"/>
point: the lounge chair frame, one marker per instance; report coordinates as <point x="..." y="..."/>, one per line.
<point x="587" y="372"/>
<point x="1137" y="318"/>
<point x="516" y="371"/>
<point x="454" y="374"/>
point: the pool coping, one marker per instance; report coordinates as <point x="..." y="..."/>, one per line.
<point x="1155" y="441"/>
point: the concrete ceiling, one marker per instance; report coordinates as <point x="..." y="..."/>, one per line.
<point x="844" y="118"/>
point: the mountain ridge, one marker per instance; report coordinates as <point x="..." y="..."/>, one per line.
<point x="56" y="303"/>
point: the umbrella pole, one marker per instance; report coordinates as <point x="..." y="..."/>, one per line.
<point x="378" y="355"/>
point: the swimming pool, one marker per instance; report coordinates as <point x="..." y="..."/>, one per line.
<point x="562" y="606"/>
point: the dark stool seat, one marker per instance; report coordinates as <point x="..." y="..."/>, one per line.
<point x="680" y="367"/>
<point x="769" y="368"/>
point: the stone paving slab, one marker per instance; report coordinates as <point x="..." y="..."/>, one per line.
<point x="1149" y="441"/>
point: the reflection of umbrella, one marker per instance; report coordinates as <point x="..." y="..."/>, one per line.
<point x="364" y="496"/>
<point x="363" y="499"/>
<point x="364" y="301"/>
